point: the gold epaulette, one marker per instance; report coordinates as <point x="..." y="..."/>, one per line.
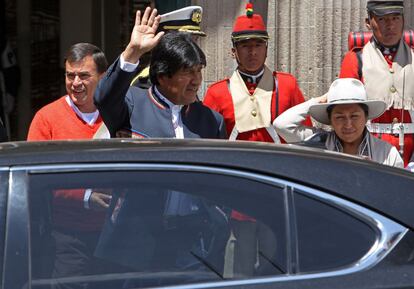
<point x="143" y="74"/>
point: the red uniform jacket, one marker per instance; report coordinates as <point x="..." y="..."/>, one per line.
<point x="219" y="99"/>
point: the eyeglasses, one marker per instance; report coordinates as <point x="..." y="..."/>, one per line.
<point x="82" y="75"/>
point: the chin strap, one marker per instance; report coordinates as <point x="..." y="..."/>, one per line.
<point x="386" y="50"/>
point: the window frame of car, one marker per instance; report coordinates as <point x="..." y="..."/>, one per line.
<point x="17" y="250"/>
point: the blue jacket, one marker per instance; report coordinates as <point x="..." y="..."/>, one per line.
<point x="125" y="107"/>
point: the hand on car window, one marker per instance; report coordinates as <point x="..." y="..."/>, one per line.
<point x="99" y="201"/>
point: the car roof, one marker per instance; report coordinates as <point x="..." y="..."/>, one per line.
<point x="381" y="188"/>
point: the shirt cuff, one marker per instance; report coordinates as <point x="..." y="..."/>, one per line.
<point x="86" y="198"/>
<point x="127" y="66"/>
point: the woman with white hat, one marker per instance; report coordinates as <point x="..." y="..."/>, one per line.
<point x="346" y="109"/>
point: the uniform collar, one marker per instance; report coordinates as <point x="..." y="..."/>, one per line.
<point x="252" y="78"/>
<point x="386" y="50"/>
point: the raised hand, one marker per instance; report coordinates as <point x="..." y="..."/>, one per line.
<point x="323" y="98"/>
<point x="143" y="36"/>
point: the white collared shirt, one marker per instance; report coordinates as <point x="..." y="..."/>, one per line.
<point x="175" y="114"/>
<point x="88" y="117"/>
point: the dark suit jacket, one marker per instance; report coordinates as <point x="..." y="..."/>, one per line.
<point x="125" y="107"/>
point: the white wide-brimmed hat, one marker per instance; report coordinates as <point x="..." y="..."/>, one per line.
<point x="346" y="91"/>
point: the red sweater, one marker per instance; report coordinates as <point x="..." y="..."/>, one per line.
<point x="58" y="121"/>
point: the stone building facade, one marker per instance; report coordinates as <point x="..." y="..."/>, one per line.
<point x="308" y="38"/>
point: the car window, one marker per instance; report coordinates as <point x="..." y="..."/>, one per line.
<point x="328" y="237"/>
<point x="161" y="227"/>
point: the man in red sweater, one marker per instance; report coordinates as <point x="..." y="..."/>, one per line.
<point x="78" y="215"/>
<point x="385" y="66"/>
<point x="73" y="116"/>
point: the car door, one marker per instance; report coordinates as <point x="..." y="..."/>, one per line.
<point x="173" y="224"/>
<point x="4" y="181"/>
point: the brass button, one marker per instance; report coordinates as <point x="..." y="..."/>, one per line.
<point x="252" y="98"/>
<point x="393" y="89"/>
<point x="391" y="70"/>
<point x="395" y="120"/>
<point x="254" y="113"/>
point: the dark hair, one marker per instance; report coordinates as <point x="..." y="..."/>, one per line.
<point x="175" y="50"/>
<point x="79" y="51"/>
<point x="362" y="105"/>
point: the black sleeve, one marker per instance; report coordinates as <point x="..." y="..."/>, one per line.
<point x="110" y="97"/>
<point x="3" y="132"/>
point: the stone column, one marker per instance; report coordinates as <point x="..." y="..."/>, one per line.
<point x="311" y="38"/>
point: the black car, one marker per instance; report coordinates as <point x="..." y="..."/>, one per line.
<point x="201" y="214"/>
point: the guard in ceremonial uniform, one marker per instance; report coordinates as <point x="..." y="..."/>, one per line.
<point x="254" y="95"/>
<point x="249" y="101"/>
<point x="385" y="65"/>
